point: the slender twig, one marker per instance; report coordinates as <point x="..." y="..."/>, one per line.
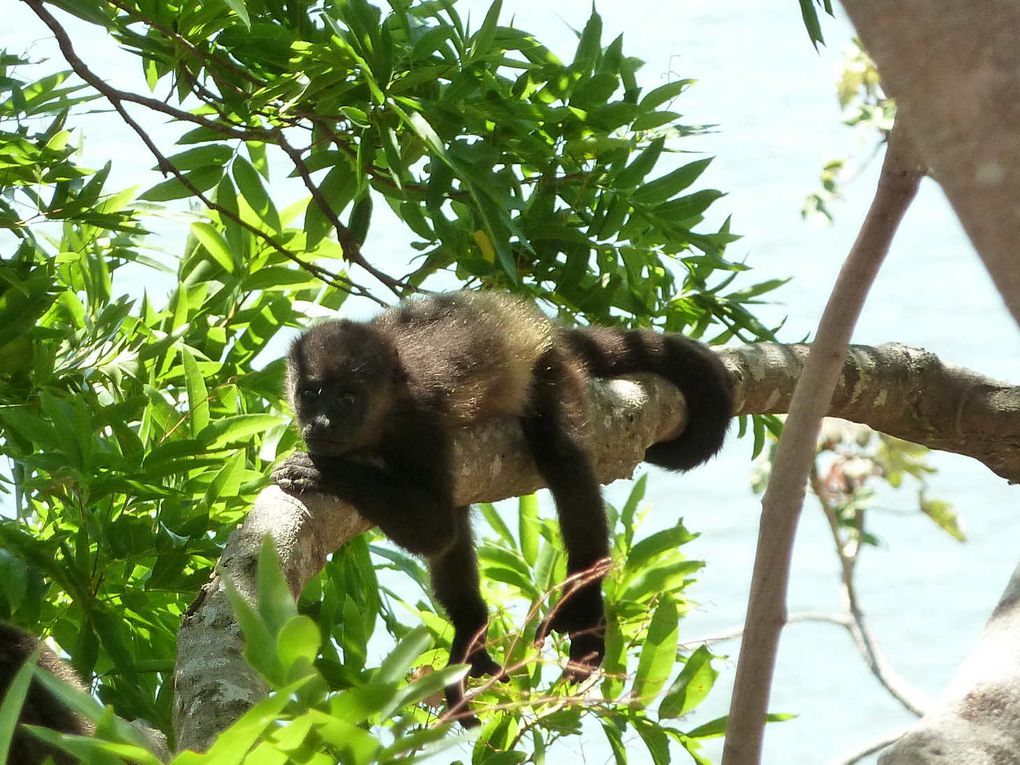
<point x="348" y="243"/>
<point x="117" y="98"/>
<point x="875" y="746"/>
<point x="858" y="626"/>
<point x="199" y="53"/>
<point x="735" y="632"/>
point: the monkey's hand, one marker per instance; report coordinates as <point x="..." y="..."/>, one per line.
<point x="298" y="473"/>
<point x="381" y="495"/>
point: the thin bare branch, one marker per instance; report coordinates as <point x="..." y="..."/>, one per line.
<point x="766" y="611"/>
<point x="860" y="631"/>
<point x="118" y="98"/>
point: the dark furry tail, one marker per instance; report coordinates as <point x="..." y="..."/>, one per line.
<point x="688" y="364"/>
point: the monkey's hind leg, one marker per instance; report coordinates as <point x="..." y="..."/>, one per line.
<point x="454" y="575"/>
<point x="558" y="401"/>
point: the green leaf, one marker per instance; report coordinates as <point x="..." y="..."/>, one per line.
<point x="198" y="394"/>
<point x="427" y="133"/>
<point x="654" y="738"/>
<point x="241" y="9"/>
<point x="250" y="185"/>
<point x="637" y="493"/>
<point x="528" y="527"/>
<point x="691" y="686"/>
<point x="811" y="22"/>
<point x="658" y="652"/>
<point x="297" y="645"/>
<point x="633" y="174"/>
<point x="482" y="40"/>
<point x="661" y="542"/>
<point x="494" y="519"/>
<point x="664" y="93"/>
<point x="354" y="746"/>
<point x="238" y="428"/>
<point x="214" y="155"/>
<point x="14" y="699"/>
<point x="503" y="565"/>
<point x="614" y="735"/>
<point x="589" y="45"/>
<point x="428" y="685"/>
<point x="337" y="189"/>
<point x="396" y="666"/>
<point x="202" y="179"/>
<point x="231" y="746"/>
<point x="275" y="602"/>
<point x="672" y="183"/>
<point x="944" y="516"/>
<point x="259" y="645"/>
<point x="213" y="242"/>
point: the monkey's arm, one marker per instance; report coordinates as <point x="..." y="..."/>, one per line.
<point x="418" y="515"/>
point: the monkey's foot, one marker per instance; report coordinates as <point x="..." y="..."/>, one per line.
<point x="482" y="664"/>
<point x="457" y="707"/>
<point x="587" y="649"/>
<point x="580" y="611"/>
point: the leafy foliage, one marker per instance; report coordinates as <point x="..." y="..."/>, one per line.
<point x="139" y="430"/>
<point x="508" y="166"/>
<point x="868" y="110"/>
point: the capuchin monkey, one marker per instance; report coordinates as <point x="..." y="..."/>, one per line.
<point x="377" y="403"/>
<point x="41" y="707"/>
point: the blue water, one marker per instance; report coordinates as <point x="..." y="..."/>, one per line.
<point x="772" y="97"/>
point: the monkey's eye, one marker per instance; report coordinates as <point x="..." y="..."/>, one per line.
<point x="309" y="395"/>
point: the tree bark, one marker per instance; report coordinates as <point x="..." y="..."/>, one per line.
<point x="978" y="720"/>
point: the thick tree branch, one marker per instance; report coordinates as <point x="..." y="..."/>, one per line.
<point x="978" y="721"/>
<point x="904" y="392"/>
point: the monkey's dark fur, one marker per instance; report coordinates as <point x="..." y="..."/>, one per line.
<point x="40" y="707"/>
<point x="376" y="403"/>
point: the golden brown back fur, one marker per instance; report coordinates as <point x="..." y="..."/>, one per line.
<point x="472" y="354"/>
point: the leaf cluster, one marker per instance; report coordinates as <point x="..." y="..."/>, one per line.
<point x="508" y="166"/>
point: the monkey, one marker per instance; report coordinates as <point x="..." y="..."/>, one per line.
<point x="41" y="707"/>
<point x="377" y="403"/>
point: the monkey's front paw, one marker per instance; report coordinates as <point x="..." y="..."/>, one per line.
<point x="297" y="474"/>
<point x="477" y="657"/>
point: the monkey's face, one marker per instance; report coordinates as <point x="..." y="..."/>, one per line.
<point x="341" y="380"/>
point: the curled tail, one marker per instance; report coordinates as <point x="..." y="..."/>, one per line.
<point x="688" y="364"/>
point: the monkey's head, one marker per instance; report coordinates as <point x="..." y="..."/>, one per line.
<point x="342" y="381"/>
